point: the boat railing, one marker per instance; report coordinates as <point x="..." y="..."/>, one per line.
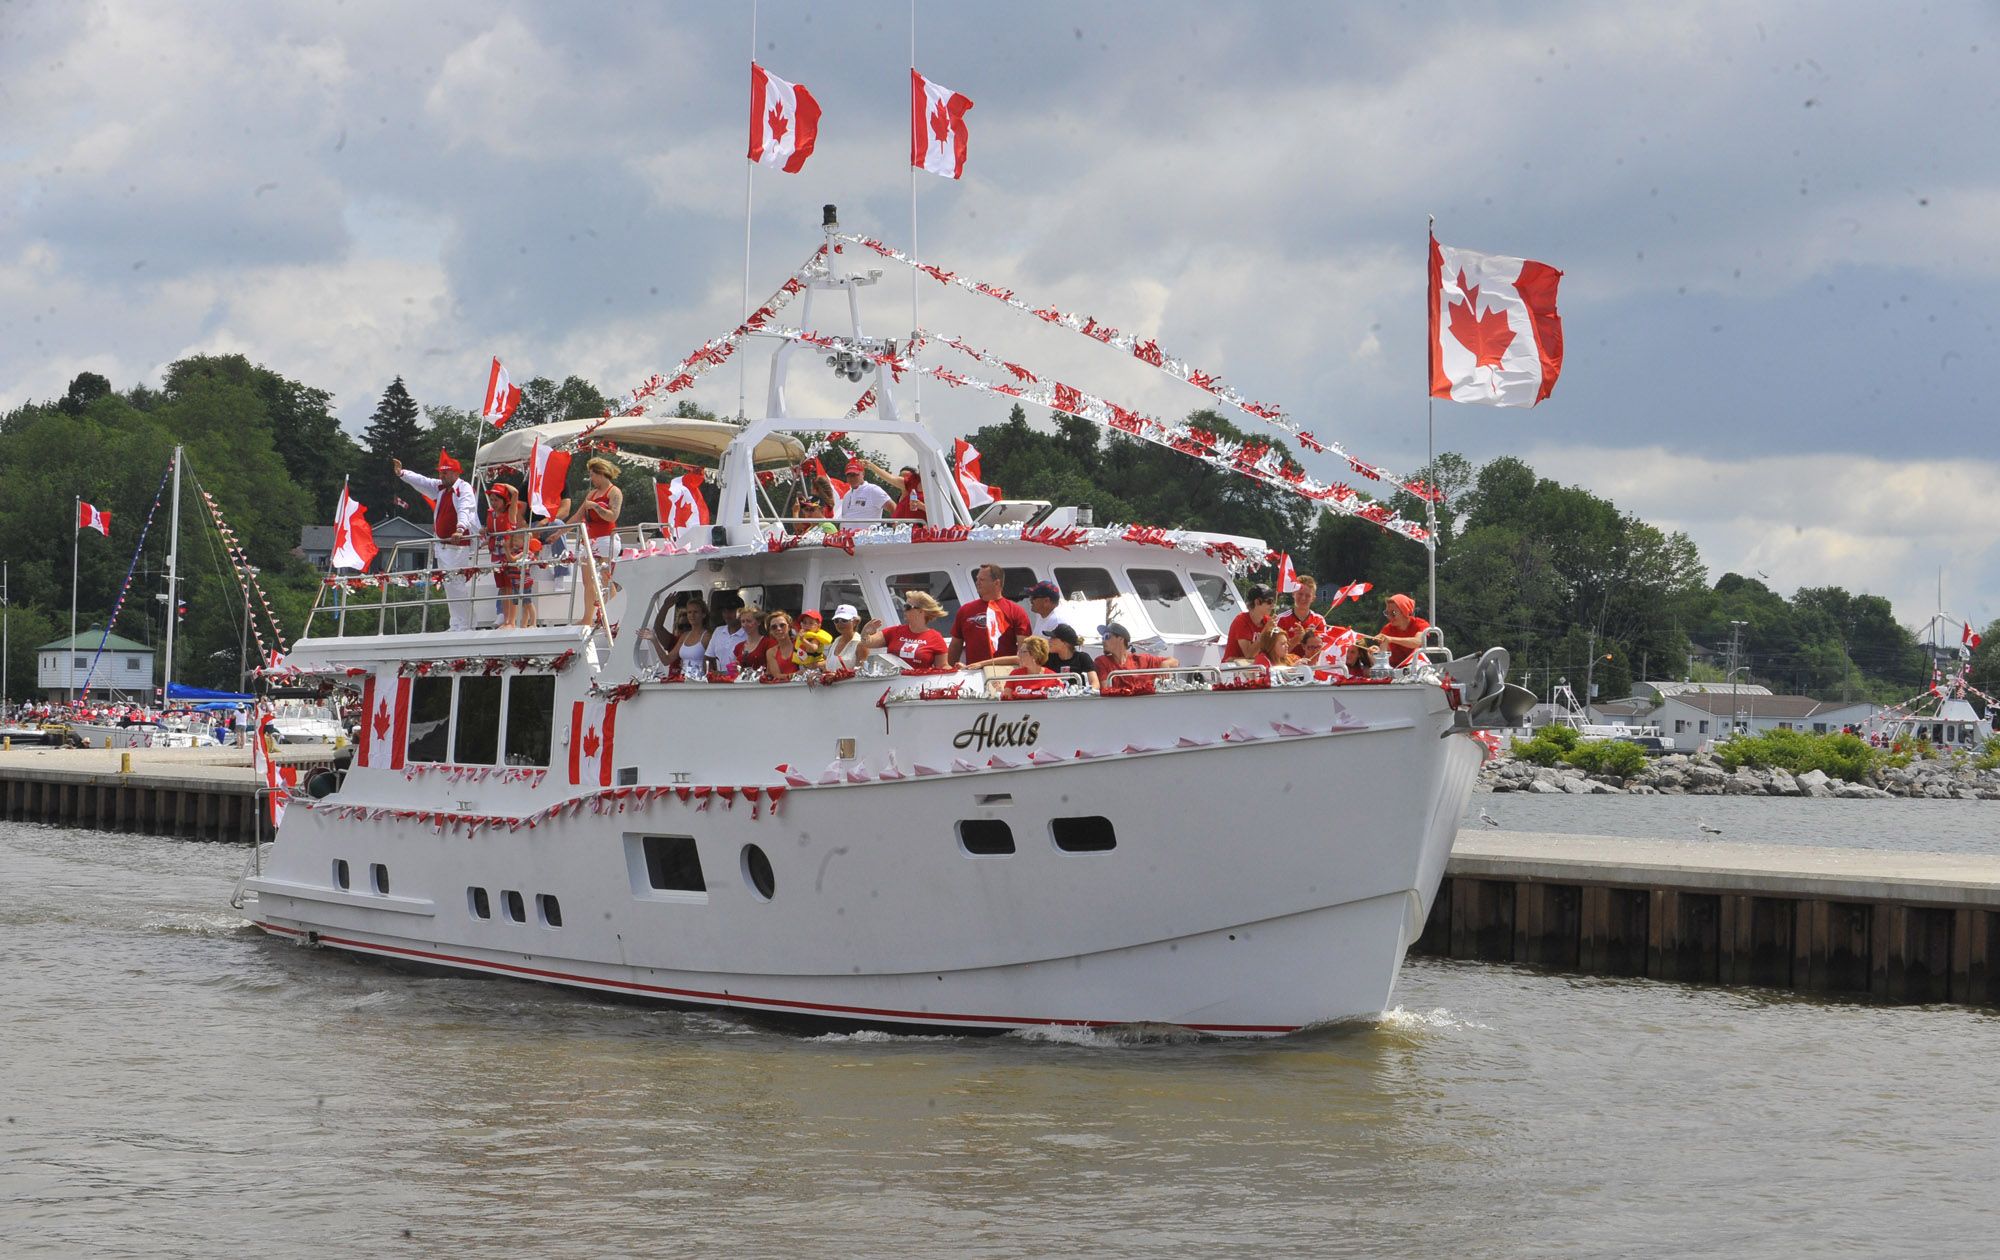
<point x="412" y="594"/>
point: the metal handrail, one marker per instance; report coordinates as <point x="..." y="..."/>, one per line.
<point x="398" y="590"/>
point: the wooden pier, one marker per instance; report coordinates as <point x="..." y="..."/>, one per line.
<point x="1899" y="927"/>
<point x="194" y="793"/>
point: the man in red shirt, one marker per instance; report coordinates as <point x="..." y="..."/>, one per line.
<point x="1302" y="620"/>
<point x="1243" y="632"/>
<point x="990" y="627"/>
<point x="1118" y="655"/>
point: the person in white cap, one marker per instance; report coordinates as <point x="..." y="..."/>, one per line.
<point x="845" y="652"/>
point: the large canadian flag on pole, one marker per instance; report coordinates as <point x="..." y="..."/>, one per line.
<point x="88" y="517"/>
<point x="680" y="503"/>
<point x="353" y="540"/>
<point x="548" y="473"/>
<point x="1495" y="334"/>
<point x="965" y="466"/>
<point x="502" y="396"/>
<point x="937" y="127"/>
<point x="784" y="121"/>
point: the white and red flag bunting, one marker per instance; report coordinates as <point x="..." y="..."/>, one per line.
<point x="1353" y="590"/>
<point x="353" y="540"/>
<point x="680" y="503"/>
<point x="1495" y="335"/>
<point x="88" y="517"/>
<point x="592" y="727"/>
<point x="937" y="127"/>
<point x="784" y="121"/>
<point x="502" y="396"/>
<point x="385" y="722"/>
<point x="1288" y="579"/>
<point x="965" y="467"/>
<point x="548" y="473"/>
<point x="277" y="780"/>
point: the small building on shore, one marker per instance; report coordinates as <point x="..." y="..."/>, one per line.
<point x="1691" y="718"/>
<point x="316" y="545"/>
<point x="123" y="667"/>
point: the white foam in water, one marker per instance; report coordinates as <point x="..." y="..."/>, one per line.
<point x="1118" y="1035"/>
<point x="876" y="1035"/>
<point x="1438" y="1017"/>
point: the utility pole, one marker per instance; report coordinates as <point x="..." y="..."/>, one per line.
<point x="1735" y="705"/>
<point x="3" y="638"/>
<point x="1590" y="668"/>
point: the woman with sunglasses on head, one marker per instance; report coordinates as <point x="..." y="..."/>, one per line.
<point x="689" y="649"/>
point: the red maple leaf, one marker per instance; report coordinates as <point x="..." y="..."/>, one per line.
<point x="590" y="743"/>
<point x="940" y="122"/>
<point x="382" y="722"/>
<point x="777" y="123"/>
<point x="1488" y="335"/>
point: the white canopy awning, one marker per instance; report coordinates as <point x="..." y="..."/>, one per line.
<point x="665" y="433"/>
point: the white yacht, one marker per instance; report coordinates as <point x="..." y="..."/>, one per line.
<point x="1234" y="852"/>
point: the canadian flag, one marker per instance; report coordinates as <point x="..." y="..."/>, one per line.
<point x="277" y="779"/>
<point x="592" y="724"/>
<point x="548" y="473"/>
<point x="937" y="127"/>
<point x="1495" y="334"/>
<point x="1288" y="580"/>
<point x="1353" y="590"/>
<point x="385" y="722"/>
<point x="965" y="466"/>
<point x="680" y="503"/>
<point x="784" y="121"/>
<point x="1968" y="638"/>
<point x="353" y="541"/>
<point x="88" y="517"/>
<point x="502" y="396"/>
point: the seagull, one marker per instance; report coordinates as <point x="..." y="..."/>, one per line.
<point x="1706" y="829"/>
<point x="1488" y="819"/>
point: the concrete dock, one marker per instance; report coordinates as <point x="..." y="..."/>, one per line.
<point x="195" y="793"/>
<point x="1900" y="927"/>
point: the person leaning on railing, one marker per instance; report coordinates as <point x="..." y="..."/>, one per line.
<point x="599" y="513"/>
<point x="1404" y="632"/>
<point x="1118" y="656"/>
<point x="913" y="643"/>
<point x="1031" y="676"/>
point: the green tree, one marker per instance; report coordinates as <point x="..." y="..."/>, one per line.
<point x="395" y="432"/>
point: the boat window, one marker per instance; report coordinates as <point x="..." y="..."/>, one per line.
<point x="1090" y="834"/>
<point x="1015" y="581"/>
<point x="1086" y="584"/>
<point x="477" y="901"/>
<point x="1219" y="593"/>
<point x="378" y="877"/>
<point x="550" y="908"/>
<point x="477" y="742"/>
<point x="757" y="872"/>
<point x="1165" y="600"/>
<point x="779" y="597"/>
<point x="340" y="880"/>
<point x="673" y="864"/>
<point x="985" y="837"/>
<point x="430" y="720"/>
<point x="517" y="909"/>
<point x="531" y="718"/>
<point x="936" y="583"/>
<point x="835" y="591"/>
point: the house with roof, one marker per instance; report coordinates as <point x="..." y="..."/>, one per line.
<point x="122" y="667"/>
<point x="1691" y="718"/>
<point x="316" y="545"/>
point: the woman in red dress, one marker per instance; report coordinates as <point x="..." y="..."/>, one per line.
<point x="599" y="513"/>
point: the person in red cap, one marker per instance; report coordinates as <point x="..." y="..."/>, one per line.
<point x="863" y="500"/>
<point x="507" y="543"/>
<point x="1404" y="633"/>
<point x="456" y="527"/>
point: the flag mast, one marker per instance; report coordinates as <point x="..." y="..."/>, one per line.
<point x="75" y="534"/>
<point x="916" y="378"/>
<point x="173" y="573"/>
<point x="749" y="182"/>
<point x="1430" y="437"/>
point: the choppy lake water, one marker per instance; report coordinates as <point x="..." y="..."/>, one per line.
<point x="173" y="1085"/>
<point x="1915" y="826"/>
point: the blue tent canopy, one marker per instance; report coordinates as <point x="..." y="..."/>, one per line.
<point x="179" y="691"/>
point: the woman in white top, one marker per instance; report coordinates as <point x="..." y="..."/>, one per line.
<point x="690" y="649"/>
<point x="845" y="652"/>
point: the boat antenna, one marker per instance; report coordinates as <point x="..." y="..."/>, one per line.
<point x="749" y="183"/>
<point x="1430" y="455"/>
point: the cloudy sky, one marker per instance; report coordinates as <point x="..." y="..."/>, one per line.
<point x="1776" y="220"/>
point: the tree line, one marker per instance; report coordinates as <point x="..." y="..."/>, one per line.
<point x="1561" y="577"/>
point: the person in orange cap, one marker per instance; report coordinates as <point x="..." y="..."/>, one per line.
<point x="455" y="524"/>
<point x="1404" y="633"/>
<point x="507" y="540"/>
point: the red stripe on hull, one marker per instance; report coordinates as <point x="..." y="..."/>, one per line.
<point x="738" y="999"/>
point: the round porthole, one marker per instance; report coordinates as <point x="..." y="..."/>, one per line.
<point x="757" y="872"/>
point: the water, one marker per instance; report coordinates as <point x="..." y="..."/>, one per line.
<point x="175" y="1086"/>
<point x="1909" y="825"/>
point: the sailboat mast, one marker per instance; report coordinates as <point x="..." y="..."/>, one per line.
<point x="173" y="592"/>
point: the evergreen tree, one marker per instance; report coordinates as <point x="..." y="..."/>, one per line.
<point x="395" y="431"/>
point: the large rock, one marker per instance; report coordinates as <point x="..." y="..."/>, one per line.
<point x="1860" y="792"/>
<point x="1746" y="782"/>
<point x="1579" y="786"/>
<point x="1782" y="782"/>
<point x="1596" y="787"/>
<point x="1812" y="779"/>
<point x="1543" y="787"/>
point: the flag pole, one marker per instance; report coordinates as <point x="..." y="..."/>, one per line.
<point x="749" y="182"/>
<point x="1430" y="437"/>
<point x="916" y="378"/>
<point x="75" y="533"/>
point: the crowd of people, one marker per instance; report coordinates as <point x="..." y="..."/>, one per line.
<point x="1302" y="638"/>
